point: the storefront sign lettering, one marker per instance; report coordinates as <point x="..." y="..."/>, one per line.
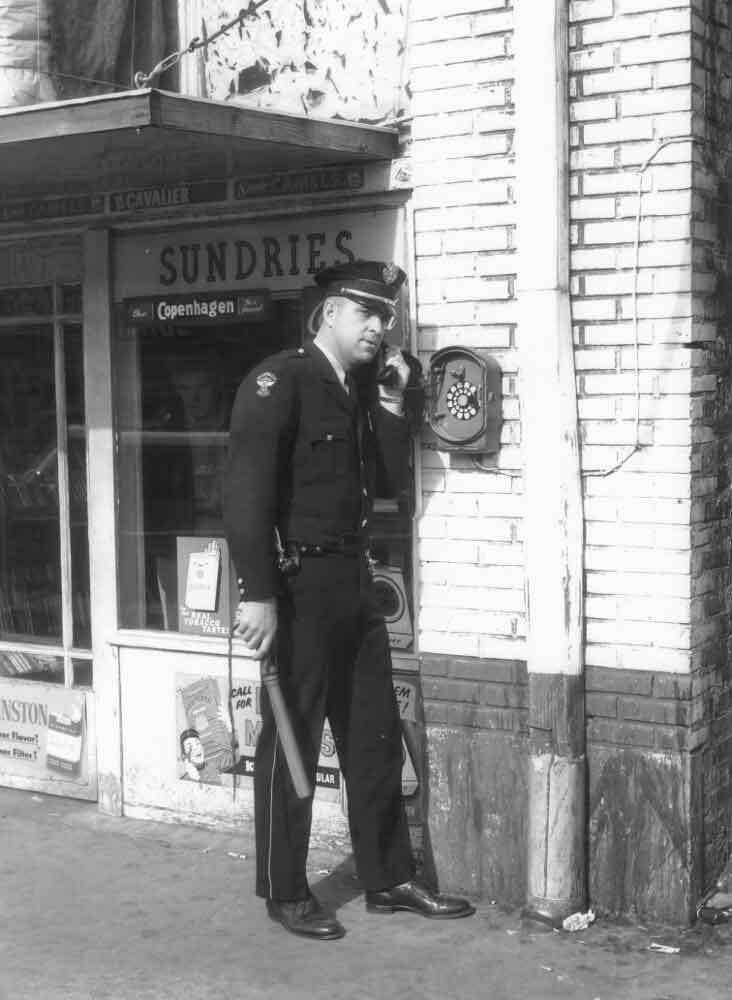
<point x="237" y="260"/>
<point x="306" y="182"/>
<point x="165" y="196"/>
<point x="51" y="208"/>
<point x="252" y="307"/>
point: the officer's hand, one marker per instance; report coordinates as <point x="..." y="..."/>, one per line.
<point x="392" y="396"/>
<point x="256" y="623"/>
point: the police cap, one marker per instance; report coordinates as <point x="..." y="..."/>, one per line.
<point x="371" y="283"/>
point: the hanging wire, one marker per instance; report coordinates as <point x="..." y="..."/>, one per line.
<point x="142" y="80"/>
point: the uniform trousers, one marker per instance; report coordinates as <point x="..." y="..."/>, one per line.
<point x="334" y="662"/>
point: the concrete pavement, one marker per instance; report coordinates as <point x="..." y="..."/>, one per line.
<point x="106" y="909"/>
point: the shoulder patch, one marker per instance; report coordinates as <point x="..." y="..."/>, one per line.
<point x="266" y="383"/>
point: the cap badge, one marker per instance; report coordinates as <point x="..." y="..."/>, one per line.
<point x="389" y="273"/>
<point x="266" y="383"/>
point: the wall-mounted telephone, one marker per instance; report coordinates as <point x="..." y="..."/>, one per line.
<point x="463" y="401"/>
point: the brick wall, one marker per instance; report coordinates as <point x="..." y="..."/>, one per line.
<point x="711" y="425"/>
<point x="630" y="90"/>
<point x="470" y="551"/>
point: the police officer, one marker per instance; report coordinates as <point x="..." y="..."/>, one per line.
<point x="309" y="444"/>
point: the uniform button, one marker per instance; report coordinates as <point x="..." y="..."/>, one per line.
<point x="301" y="350"/>
<point x="328" y="437"/>
<point x="318" y="550"/>
<point x="240" y="582"/>
<point x="364" y="523"/>
<point x="365" y="492"/>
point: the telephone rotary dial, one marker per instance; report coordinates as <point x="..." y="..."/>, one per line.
<point x="463" y="401"/>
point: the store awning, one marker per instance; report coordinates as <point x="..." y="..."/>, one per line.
<point x="151" y="137"/>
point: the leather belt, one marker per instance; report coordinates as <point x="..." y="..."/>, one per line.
<point x="346" y="545"/>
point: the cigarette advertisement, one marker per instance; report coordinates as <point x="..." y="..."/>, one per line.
<point x="206" y="709"/>
<point x="43" y="733"/>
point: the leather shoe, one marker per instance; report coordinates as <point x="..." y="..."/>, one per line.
<point x="306" y="917"/>
<point x="418" y="898"/>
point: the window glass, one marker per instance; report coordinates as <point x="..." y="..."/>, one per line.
<point x="175" y="386"/>
<point x="30" y="561"/>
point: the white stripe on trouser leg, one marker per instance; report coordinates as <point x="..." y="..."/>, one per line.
<point x="271" y="808"/>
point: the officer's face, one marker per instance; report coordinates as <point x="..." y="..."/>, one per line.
<point x="354" y="331"/>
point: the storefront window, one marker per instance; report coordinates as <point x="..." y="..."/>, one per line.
<point x="44" y="577"/>
<point x="175" y="389"/>
<point x="175" y="386"/>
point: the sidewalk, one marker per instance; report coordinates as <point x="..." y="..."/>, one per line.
<point x="104" y="909"/>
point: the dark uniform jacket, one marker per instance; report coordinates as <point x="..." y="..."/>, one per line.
<point x="305" y="457"/>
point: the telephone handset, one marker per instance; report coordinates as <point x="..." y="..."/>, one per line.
<point x="463" y="401"/>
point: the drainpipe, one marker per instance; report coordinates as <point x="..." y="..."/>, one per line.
<point x="553" y="526"/>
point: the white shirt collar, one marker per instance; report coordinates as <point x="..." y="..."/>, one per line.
<point x="334" y="362"/>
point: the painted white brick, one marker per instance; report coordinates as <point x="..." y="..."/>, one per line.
<point x="654" y="536"/>
<point x="594" y="360"/>
<point x="592" y="208"/>
<point x="463" y="50"/>
<point x="495" y="263"/>
<point x="490" y="24"/>
<point x="632" y="484"/>
<point x="592" y="159"/>
<point x="488" y="144"/>
<point x="588" y="10"/>
<point x="489" y="577"/>
<point x="656" y="102"/>
<point x="610" y="432"/>
<point x="439" y="29"/>
<point x="427" y="243"/>
<point x="637" y="658"/>
<point x="460" y="99"/>
<point x="655" y="50"/>
<point x="651" y="459"/>
<point x="460" y="123"/>
<point x="634" y="154"/>
<point x="614" y="81"/>
<point x="472" y="598"/>
<point x="587" y="60"/>
<point x="663" y="634"/>
<point x="619" y="130"/>
<point x="497" y="70"/>
<point x="450" y="643"/>
<point x="640" y="584"/>
<point x="487" y="238"/>
<point x="638" y="609"/>
<point x="661" y="203"/>
<point x="501" y="649"/>
<point x="592" y="110"/>
<point x="462" y="621"/>
<point x="439" y="550"/>
<point x="501" y="555"/>
<point x="587" y="309"/>
<point x="636" y="560"/>
<point x="617" y="29"/>
<point x="674" y="74"/>
<point x="640" y="6"/>
<point x="659" y="357"/>
<point x="617" y="182"/>
<point x="461" y="193"/>
<point x="427" y="9"/>
<point x="638" y="509"/>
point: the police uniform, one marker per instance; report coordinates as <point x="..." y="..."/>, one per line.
<point x="305" y="456"/>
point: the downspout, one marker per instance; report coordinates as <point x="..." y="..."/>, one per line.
<point x="556" y="870"/>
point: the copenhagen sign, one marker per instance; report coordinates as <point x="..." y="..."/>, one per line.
<point x="232" y="307"/>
